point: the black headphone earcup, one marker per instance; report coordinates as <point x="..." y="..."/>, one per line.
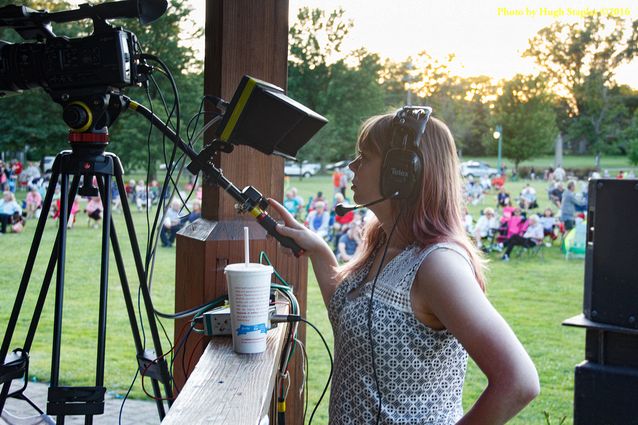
<point x="400" y="173"/>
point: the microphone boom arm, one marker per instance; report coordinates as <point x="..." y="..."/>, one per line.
<point x="342" y="210"/>
<point x="250" y="200"/>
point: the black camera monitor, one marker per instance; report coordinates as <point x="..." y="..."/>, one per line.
<point x="261" y="116"/>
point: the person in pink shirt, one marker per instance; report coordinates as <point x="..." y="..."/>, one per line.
<point x="516" y="224"/>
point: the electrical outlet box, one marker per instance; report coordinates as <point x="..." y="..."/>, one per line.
<point x="217" y="322"/>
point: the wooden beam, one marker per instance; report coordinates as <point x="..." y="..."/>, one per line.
<point x="229" y="388"/>
<point x="242" y="37"/>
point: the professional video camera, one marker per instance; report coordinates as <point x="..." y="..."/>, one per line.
<point x="64" y="66"/>
<point x="81" y="74"/>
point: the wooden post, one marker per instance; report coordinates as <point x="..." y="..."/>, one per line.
<point x="242" y="37"/>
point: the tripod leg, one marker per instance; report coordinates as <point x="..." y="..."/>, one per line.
<point x="128" y="300"/>
<point x="39" y="306"/>
<point x="24" y="283"/>
<point x="104" y="279"/>
<point x="117" y="253"/>
<point x="104" y="285"/>
<point x="27" y="274"/>
<point x="4" y="392"/>
<point x="148" y="302"/>
<point x="66" y="202"/>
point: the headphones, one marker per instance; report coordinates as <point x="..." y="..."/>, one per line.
<point x="403" y="163"/>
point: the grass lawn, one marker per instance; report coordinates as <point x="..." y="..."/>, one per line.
<point x="81" y="297"/>
<point x="534" y="295"/>
<point x="610" y="162"/>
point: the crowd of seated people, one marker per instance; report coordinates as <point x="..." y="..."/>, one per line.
<point x="517" y="220"/>
<point x="94" y="211"/>
<point x="349" y="241"/>
<point x="555" y="193"/>
<point x="502" y="197"/>
<point x="343" y="233"/>
<point x="318" y="219"/>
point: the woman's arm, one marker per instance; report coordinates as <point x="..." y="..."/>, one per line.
<point x="446" y="288"/>
<point x="323" y="260"/>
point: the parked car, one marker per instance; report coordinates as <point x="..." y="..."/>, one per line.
<point x="477" y="169"/>
<point x="305" y="168"/>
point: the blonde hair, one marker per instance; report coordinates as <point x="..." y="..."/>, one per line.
<point x="435" y="214"/>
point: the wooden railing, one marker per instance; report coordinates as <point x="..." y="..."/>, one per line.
<point x="230" y="388"/>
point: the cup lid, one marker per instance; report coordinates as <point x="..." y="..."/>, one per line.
<point x="251" y="267"/>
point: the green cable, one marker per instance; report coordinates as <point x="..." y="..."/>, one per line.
<point x="286" y="290"/>
<point x="262" y="256"/>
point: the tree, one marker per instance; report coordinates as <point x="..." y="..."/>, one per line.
<point x="344" y="90"/>
<point x="396" y="81"/>
<point x="163" y="38"/>
<point x="353" y="94"/>
<point x="314" y="41"/>
<point x="525" y="112"/>
<point x="603" y="114"/>
<point x="461" y="102"/>
<point x="580" y="61"/>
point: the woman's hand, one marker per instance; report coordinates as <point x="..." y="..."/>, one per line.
<point x="309" y="241"/>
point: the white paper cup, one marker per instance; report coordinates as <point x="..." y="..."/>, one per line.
<point x="249" y="295"/>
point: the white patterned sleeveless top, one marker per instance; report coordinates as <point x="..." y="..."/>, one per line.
<point x="420" y="371"/>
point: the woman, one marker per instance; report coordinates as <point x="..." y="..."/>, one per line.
<point x="429" y="310"/>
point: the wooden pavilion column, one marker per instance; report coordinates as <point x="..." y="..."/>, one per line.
<point x="242" y="37"/>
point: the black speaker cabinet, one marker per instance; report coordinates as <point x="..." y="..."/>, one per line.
<point x="611" y="260"/>
<point x="605" y="395"/>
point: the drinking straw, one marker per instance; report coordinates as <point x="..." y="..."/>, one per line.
<point x="246" y="254"/>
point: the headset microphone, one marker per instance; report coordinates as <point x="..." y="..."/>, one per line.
<point x="341" y="209"/>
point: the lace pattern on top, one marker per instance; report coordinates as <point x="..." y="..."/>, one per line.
<point x="420" y="370"/>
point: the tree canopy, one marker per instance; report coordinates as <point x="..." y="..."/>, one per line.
<point x="580" y="61"/>
<point x="575" y="94"/>
<point x="527" y="117"/>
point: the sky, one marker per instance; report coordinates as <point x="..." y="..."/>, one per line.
<point x="487" y="36"/>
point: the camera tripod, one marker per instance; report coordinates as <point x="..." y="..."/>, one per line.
<point x="88" y="159"/>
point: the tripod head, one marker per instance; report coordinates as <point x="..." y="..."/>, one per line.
<point x="88" y="118"/>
